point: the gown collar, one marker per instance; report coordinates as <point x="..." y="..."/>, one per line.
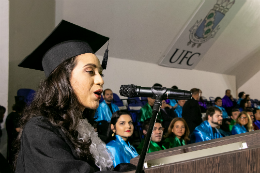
<point x="127" y="146"/>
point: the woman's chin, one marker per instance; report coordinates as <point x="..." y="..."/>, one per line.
<point x="92" y="105"/>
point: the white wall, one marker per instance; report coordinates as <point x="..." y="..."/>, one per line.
<point x="252" y="87"/>
<point x="4" y="53"/>
<point x="4" y="66"/>
<point x="31" y="21"/>
<point x="121" y="71"/>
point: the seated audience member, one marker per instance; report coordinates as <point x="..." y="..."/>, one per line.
<point x="178" y="109"/>
<point x="207" y="129"/>
<point x="177" y="135"/>
<point x="191" y="110"/>
<point x="228" y="102"/>
<point x="235" y="113"/>
<point x="249" y="111"/>
<point x="121" y="128"/>
<point x="241" y="96"/>
<point x="243" y="105"/>
<point x="156" y="137"/>
<point x="256" y="123"/>
<point x="224" y="128"/>
<point x="13" y="128"/>
<point x="243" y="124"/>
<point x="106" y="108"/>
<point x="146" y="111"/>
<point x="202" y="103"/>
<point x="218" y="104"/>
<point x="249" y="104"/>
<point x="2" y="113"/>
<point x="173" y="102"/>
<point x="167" y="114"/>
<point x="247" y="97"/>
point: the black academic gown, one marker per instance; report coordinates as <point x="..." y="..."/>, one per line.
<point x="167" y="116"/>
<point x="191" y="114"/>
<point x="46" y="149"/>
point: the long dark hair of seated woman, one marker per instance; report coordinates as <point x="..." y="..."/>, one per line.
<point x="116" y="115"/>
<point x="56" y="100"/>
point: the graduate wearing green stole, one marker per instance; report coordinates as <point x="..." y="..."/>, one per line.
<point x="152" y="148"/>
<point x="146" y="112"/>
<point x="156" y="137"/>
<point x="177" y="135"/>
<point x="234" y="115"/>
<point x="232" y="123"/>
<point x="171" y="142"/>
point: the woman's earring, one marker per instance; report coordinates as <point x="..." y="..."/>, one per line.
<point x="113" y="134"/>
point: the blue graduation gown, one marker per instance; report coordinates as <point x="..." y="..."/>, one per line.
<point x="173" y="102"/>
<point x="238" y="129"/>
<point x="204" y="132"/>
<point x="103" y="112"/>
<point x="224" y="112"/>
<point x="239" y="100"/>
<point x="178" y="111"/>
<point x="121" y="151"/>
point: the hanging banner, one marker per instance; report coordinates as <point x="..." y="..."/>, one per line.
<point x="203" y="29"/>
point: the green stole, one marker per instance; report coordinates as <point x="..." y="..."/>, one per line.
<point x="171" y="142"/>
<point x="147" y="112"/>
<point x="152" y="148"/>
<point x="232" y="123"/>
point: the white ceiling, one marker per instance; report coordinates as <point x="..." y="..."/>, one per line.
<point x="142" y="30"/>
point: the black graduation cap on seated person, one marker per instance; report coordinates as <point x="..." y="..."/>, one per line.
<point x="66" y="41"/>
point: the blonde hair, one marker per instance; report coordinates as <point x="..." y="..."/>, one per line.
<point x="249" y="125"/>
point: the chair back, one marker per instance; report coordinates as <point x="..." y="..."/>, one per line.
<point x="26" y="94"/>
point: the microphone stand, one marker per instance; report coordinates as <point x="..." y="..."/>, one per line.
<point x="158" y="94"/>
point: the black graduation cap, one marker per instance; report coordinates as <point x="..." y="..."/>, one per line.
<point x="66" y="41"/>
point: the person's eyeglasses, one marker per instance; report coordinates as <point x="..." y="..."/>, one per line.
<point x="244" y="117"/>
<point x="160" y="128"/>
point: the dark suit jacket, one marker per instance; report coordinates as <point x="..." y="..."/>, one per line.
<point x="192" y="114"/>
<point x="167" y="116"/>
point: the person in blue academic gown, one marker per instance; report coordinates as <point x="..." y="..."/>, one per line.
<point x="243" y="105"/>
<point x="173" y="102"/>
<point x="121" y="128"/>
<point x="106" y="108"/>
<point x="243" y="124"/>
<point x="242" y="96"/>
<point x="218" y="104"/>
<point x="178" y="109"/>
<point x="207" y="129"/>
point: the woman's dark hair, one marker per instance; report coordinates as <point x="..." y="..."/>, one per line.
<point x="185" y="137"/>
<point x="240" y="95"/>
<point x="56" y="100"/>
<point x="116" y="115"/>
<point x="217" y="98"/>
<point x="242" y="103"/>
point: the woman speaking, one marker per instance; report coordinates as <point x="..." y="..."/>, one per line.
<point x="54" y="136"/>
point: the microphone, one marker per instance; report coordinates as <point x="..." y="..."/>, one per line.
<point x="138" y="91"/>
